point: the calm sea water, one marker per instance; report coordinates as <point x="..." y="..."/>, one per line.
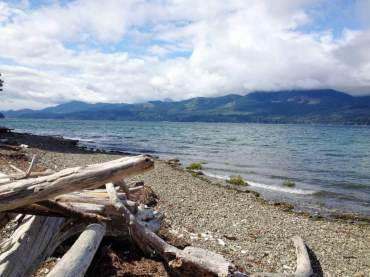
<point x="330" y="164"/>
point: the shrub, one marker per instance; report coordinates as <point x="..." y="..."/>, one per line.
<point x="237" y="180"/>
<point x="289" y="184"/>
<point x="194" y="166"/>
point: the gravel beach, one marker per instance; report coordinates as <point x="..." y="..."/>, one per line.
<point x="246" y="230"/>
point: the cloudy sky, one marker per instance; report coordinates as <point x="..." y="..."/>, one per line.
<point x="137" y="50"/>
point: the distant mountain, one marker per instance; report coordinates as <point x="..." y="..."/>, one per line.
<point x="1" y="115"/>
<point x="297" y="106"/>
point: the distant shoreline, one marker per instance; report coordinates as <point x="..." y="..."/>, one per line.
<point x="320" y="106"/>
<point x="367" y="124"/>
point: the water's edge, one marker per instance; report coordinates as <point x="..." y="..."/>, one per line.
<point x="329" y="165"/>
<point x="311" y="212"/>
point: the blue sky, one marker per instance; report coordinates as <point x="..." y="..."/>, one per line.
<point x="135" y="50"/>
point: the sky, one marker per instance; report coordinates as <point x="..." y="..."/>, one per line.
<point x="133" y="51"/>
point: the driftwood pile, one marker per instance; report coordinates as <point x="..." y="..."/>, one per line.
<point x="93" y="202"/>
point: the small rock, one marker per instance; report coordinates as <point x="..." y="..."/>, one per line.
<point x="359" y="274"/>
<point x="221" y="242"/>
<point x="230" y="237"/>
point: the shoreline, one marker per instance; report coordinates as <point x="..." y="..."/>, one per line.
<point x="68" y="144"/>
<point x="242" y="226"/>
<point x="314" y="213"/>
<point x="325" y="182"/>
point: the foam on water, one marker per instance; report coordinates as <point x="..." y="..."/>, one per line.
<point x="265" y="186"/>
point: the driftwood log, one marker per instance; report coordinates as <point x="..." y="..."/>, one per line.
<point x="69" y="203"/>
<point x="78" y="258"/>
<point x="29" y="191"/>
<point x="34" y="241"/>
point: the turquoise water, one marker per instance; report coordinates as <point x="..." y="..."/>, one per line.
<point x="330" y="164"/>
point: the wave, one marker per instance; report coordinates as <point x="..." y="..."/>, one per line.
<point x="265" y="186"/>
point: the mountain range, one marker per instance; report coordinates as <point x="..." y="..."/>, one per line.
<point x="295" y="106"/>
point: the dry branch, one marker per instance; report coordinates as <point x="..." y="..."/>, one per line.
<point x="29" y="170"/>
<point x="17" y="169"/>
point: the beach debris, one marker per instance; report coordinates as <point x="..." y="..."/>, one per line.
<point x="92" y="202"/>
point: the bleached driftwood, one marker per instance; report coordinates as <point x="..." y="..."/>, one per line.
<point x="4" y="178"/>
<point x="37" y="238"/>
<point x="31" y="243"/>
<point x="78" y="258"/>
<point x="125" y="188"/>
<point x="16" y="168"/>
<point x="29" y="170"/>
<point x="192" y="260"/>
<point x="304" y="268"/>
<point x="93" y="197"/>
<point x="185" y="262"/>
<point x="70" y="211"/>
<point x="18" y="176"/>
<point x="28" y="191"/>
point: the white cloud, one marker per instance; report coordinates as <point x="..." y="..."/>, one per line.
<point x="127" y="51"/>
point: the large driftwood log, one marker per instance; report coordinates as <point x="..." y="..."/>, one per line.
<point x="78" y="258"/>
<point x="29" y="191"/>
<point x="37" y="238"/>
<point x="34" y="241"/>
